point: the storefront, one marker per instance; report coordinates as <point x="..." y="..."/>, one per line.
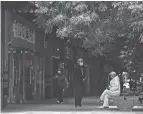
<point x="26" y="67"/>
<point x="21" y="74"/>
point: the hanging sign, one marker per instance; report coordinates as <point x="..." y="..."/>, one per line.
<point x="23" y="32"/>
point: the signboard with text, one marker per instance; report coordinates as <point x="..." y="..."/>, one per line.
<point x="23" y="32"/>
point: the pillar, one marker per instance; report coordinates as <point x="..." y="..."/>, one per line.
<point x="23" y="77"/>
<point x="35" y="76"/>
<point x="2" y="55"/>
<point x="7" y="35"/>
<point x="43" y="77"/>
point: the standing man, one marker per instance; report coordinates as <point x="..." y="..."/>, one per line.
<point x="79" y="77"/>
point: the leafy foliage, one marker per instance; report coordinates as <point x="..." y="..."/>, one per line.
<point x="78" y="20"/>
<point x="96" y="24"/>
<point x="131" y="14"/>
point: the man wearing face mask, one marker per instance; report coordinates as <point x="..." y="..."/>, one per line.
<point x="79" y="78"/>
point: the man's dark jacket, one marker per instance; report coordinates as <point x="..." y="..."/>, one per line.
<point x="79" y="74"/>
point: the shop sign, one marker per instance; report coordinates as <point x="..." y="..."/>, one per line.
<point x="23" y="32"/>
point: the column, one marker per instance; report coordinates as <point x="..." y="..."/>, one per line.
<point x="17" y="78"/>
<point x="34" y="75"/>
<point x="23" y="76"/>
<point x="7" y="35"/>
<point x="44" y="77"/>
<point x="10" y="76"/>
<point x="40" y="78"/>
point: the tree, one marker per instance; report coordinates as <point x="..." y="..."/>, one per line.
<point x="130" y="14"/>
<point x="82" y="21"/>
<point x="96" y="24"/>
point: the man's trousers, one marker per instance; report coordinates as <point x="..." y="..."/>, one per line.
<point x="60" y="94"/>
<point x="78" y="91"/>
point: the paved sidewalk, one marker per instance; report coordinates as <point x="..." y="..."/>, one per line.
<point x="91" y="106"/>
<point x="69" y="109"/>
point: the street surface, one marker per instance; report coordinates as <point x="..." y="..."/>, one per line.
<point x="90" y="106"/>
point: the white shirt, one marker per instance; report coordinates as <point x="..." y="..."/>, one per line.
<point x="127" y="85"/>
<point x="115" y="84"/>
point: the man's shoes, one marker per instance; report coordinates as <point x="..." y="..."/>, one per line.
<point x="58" y="102"/>
<point x="78" y="107"/>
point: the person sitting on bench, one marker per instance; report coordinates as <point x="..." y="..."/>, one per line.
<point x="112" y="90"/>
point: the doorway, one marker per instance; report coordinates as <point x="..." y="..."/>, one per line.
<point x="29" y="76"/>
<point x="16" y="78"/>
<point x="21" y="75"/>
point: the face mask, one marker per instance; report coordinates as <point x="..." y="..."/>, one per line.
<point x="81" y="64"/>
<point x="59" y="72"/>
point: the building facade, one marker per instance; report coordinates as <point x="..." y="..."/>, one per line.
<point x="23" y="59"/>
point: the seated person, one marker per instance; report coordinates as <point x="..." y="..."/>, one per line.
<point x="126" y="87"/>
<point x="131" y="84"/>
<point x="112" y="90"/>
